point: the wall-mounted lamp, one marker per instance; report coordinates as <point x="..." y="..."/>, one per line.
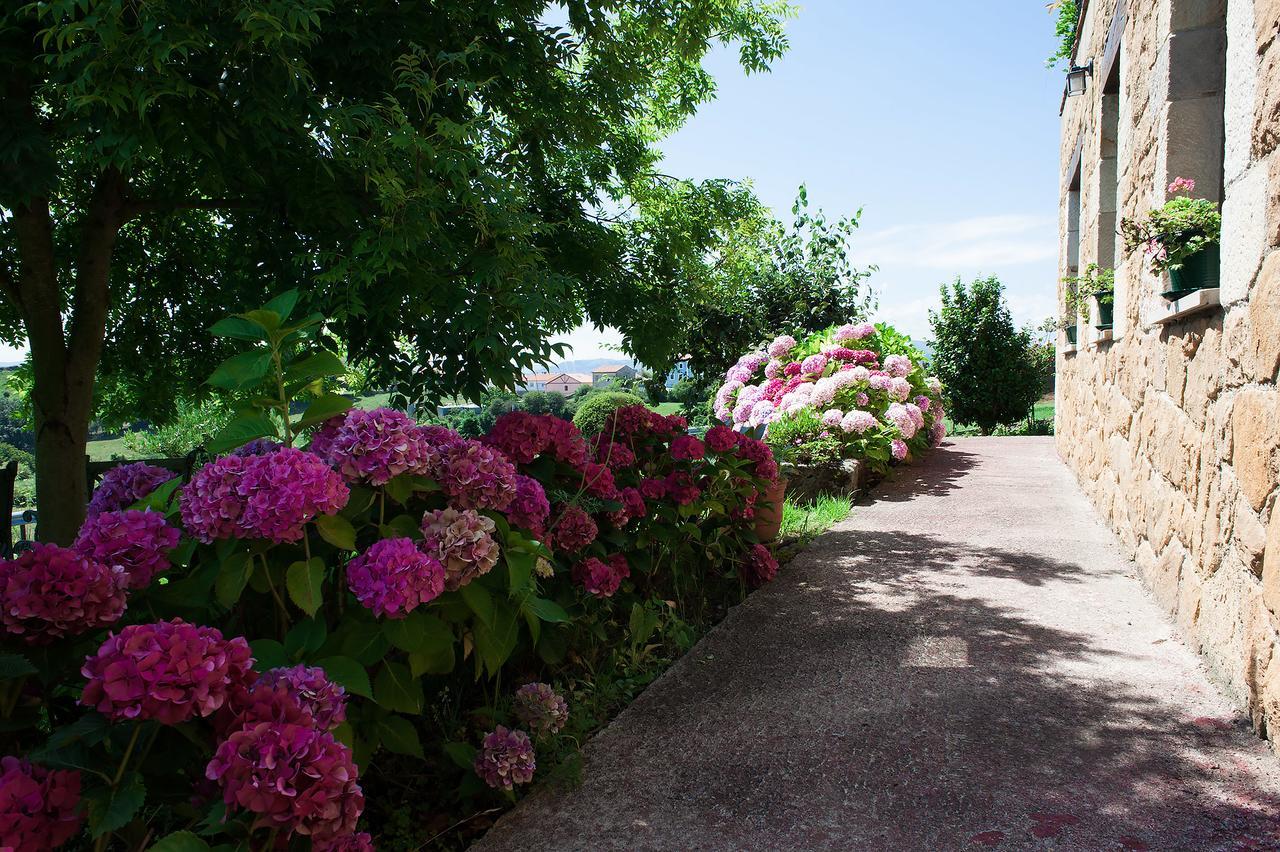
<point x="1078" y="78"/>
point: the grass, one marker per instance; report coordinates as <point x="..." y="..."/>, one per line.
<point x="106" y="450"/>
<point x="665" y="407"/>
<point x="801" y="524"/>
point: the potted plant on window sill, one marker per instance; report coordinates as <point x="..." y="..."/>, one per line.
<point x="1180" y="238"/>
<point x="1095" y="285"/>
<point x="1075" y="304"/>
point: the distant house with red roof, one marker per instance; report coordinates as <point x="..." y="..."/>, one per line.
<point x="612" y="373"/>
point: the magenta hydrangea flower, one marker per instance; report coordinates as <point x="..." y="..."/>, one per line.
<point x="530" y="507"/>
<point x="540" y="709"/>
<point x="898" y="448"/>
<point x="680" y="487"/>
<point x="687" y="447"/>
<point x="137" y="542"/>
<point x="121" y="487"/>
<point x="294" y="777"/>
<point x="170" y="671"/>
<point x="573" y="530"/>
<point x="721" y="439"/>
<point x="475" y="476"/>
<point x="793" y="369"/>
<point x="616" y="455"/>
<point x="269" y="496"/>
<point x="505" y="758"/>
<point x="394" y="577"/>
<point x="374" y="447"/>
<point x="39" y="808"/>
<point x="632" y="507"/>
<point x="324" y="700"/>
<point x="360" y="842"/>
<point x="50" y="592"/>
<point x="257" y="447"/>
<point x="463" y="543"/>
<point x="759" y="567"/>
<point x="601" y="578"/>
<point x="520" y="435"/>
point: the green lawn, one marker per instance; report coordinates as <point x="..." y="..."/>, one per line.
<point x="1044" y="409"/>
<point x="106" y="450"/>
<point x="665" y="407"/>
<point x="804" y="523"/>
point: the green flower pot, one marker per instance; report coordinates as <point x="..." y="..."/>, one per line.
<point x="1198" y="272"/>
<point x="1071" y="334"/>
<point x="1106" y="315"/>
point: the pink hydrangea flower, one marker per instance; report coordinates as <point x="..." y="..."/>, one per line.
<point x="324" y="700"/>
<point x="211" y="503"/>
<point x="759" y="453"/>
<point x="934" y="385"/>
<point x="51" y="592"/>
<point x="898" y="365"/>
<point x="880" y="381"/>
<point x="137" y="542"/>
<point x="520" y="435"/>
<point x="394" y="577"/>
<point x="121" y="487"/>
<point x="170" y="671"/>
<point x="793" y="369"/>
<point x="505" y="758"/>
<point x="530" y="507"/>
<point x="899" y="416"/>
<point x="900" y="389"/>
<point x="861" y="398"/>
<point x="462" y="540"/>
<point x="762" y="412"/>
<point x="598" y="481"/>
<point x="632" y="507"/>
<point x="854" y="332"/>
<point x="540" y="709"/>
<point x="1181" y="184"/>
<point x="832" y="417"/>
<point x="923" y="402"/>
<point x="376" y="446"/>
<point x="773" y="369"/>
<point x="573" y="530"/>
<point x="899" y="449"/>
<point x="360" y="842"/>
<point x="475" y="476"/>
<point x="39" y="808"/>
<point x="781" y="345"/>
<point x="614" y="454"/>
<point x="294" y="777"/>
<point x="938" y="431"/>
<point x="858" y="421"/>
<point x="759" y="567"/>
<point x="814" y="364"/>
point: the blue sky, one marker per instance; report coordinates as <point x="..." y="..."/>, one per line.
<point x="938" y="119"/>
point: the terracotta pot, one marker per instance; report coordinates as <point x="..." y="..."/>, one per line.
<point x="768" y="516"/>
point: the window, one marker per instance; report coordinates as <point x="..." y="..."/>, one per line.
<point x="1197" y="82"/>
<point x="1073" y="222"/>
<point x="1109" y="169"/>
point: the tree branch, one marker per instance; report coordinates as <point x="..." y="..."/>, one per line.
<point x="165" y="205"/>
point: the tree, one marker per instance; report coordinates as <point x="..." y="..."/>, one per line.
<point x="452" y="182"/>
<point x="985" y="363"/>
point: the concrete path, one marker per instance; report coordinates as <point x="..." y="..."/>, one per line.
<point x="968" y="662"/>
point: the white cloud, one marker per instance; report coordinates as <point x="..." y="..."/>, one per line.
<point x="978" y="243"/>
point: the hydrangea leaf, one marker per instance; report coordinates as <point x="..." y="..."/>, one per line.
<point x="111" y="808"/>
<point x="398" y="735"/>
<point x="305" y="581"/>
<point x="337" y="530"/>
<point x="349" y="673"/>
<point x="395" y="688"/>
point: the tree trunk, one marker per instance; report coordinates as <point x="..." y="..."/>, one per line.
<point x="64" y="360"/>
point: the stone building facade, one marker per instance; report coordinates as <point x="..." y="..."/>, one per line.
<point x="1171" y="422"/>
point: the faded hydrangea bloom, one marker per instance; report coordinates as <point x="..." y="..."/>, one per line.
<point x="462" y="541"/>
<point x="540" y="709"/>
<point x="137" y="542"/>
<point x="759" y="567"/>
<point x="505" y="758"/>
<point x="39" y="808"/>
<point x="475" y="476"/>
<point x="323" y="699"/>
<point x="393" y="577"/>
<point x="294" y="777"/>
<point x="361" y="842"/>
<point x="170" y="671"/>
<point x="50" y="592"/>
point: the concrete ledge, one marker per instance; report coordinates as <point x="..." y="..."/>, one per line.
<point x="1192" y="303"/>
<point x="1067" y="349"/>
<point x="1104" y="336"/>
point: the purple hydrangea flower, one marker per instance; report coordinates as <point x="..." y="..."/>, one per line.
<point x="121" y="487"/>
<point x="376" y="446"/>
<point x="574" y="529"/>
<point x="506" y="758"/>
<point x="899" y="449"/>
<point x="540" y="709"/>
<point x="601" y="578"/>
<point x="323" y="699"/>
<point x="39" y="808"/>
<point x="475" y="476"/>
<point x="50" y="592"/>
<point x="759" y="567"/>
<point x="170" y="671"/>
<point x="137" y="542"/>
<point x="530" y="507"/>
<point x="462" y="541"/>
<point x="294" y="777"/>
<point x="394" y="577"/>
<point x="257" y="447"/>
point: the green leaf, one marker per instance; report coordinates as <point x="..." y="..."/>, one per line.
<point x="238" y="328"/>
<point x="179" y="841"/>
<point x="546" y="610"/>
<point x="520" y="571"/>
<point x="439" y="658"/>
<point x="90" y="729"/>
<point x="479" y="600"/>
<point x="305" y="580"/>
<point x="242" y="370"/>
<point x="268" y="654"/>
<point x="395" y="688"/>
<point x="305" y="638"/>
<point x="336" y="530"/>
<point x="463" y="755"/>
<point x="322" y="408"/>
<point x="283" y="304"/>
<point x="269" y="320"/>
<point x="349" y="673"/>
<point x="417" y="632"/>
<point x="240" y="431"/>
<point x="494" y="644"/>
<point x="363" y="641"/>
<point x="15" y="665"/>
<point x="398" y="735"/>
<point x="110" y="809"/>
<point x="402" y="526"/>
<point x="160" y="500"/>
<point x="320" y="364"/>
<point x="233" y="576"/>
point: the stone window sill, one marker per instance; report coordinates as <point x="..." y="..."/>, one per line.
<point x="1067" y="349"/>
<point x="1192" y="303"/>
<point x="1104" y="336"/>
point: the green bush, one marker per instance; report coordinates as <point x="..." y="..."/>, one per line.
<point x="591" y="414"/>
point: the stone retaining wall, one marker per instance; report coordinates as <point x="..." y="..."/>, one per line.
<point x="1174" y="430"/>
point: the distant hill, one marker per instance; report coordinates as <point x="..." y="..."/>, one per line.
<point x="924" y="348"/>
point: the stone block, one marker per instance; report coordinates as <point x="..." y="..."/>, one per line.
<point x="1264" y="317"/>
<point x="1244" y="233"/>
<point x="1271" y="565"/>
<point x="1255" y="443"/>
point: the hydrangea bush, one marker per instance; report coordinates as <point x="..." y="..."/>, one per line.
<point x="222" y="659"/>
<point x="859" y="390"/>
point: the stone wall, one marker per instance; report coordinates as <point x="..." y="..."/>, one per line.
<point x="1174" y="430"/>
